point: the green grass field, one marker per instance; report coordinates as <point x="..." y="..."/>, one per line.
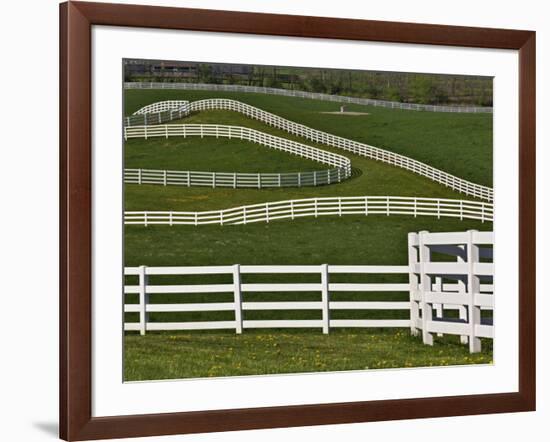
<point x="370" y="177"/>
<point x="460" y="144"/>
<point x="211" y="354"/>
<point x="457" y="143"/>
<point x="223" y="155"/>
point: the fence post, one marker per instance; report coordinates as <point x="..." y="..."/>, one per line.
<point x="237" y="296"/>
<point x="438" y="287"/>
<point x="325" y="298"/>
<point x="413" y="283"/>
<point x="387" y="206"/>
<point x="139" y="176"/>
<point x="425" y="286"/>
<point x="164" y="177"/>
<point x="462" y="310"/>
<point x="213" y="180"/>
<point x="143" y="300"/>
<point x="235" y="180"/>
<point x="260" y="182"/>
<point x="474" y="312"/>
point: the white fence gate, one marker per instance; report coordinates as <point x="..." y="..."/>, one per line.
<point x="445" y="297"/>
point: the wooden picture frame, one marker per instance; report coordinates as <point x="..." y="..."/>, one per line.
<point x="76" y="21"/>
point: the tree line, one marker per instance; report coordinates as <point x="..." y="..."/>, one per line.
<point x="393" y="86"/>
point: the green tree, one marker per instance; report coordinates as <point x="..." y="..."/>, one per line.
<point x="393" y="94"/>
<point x="421" y="89"/>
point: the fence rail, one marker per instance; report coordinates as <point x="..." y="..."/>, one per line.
<point x="316" y="207"/>
<point x="362" y="149"/>
<point x="309" y="95"/>
<point x="238" y="306"/>
<point x="435" y="288"/>
<point x="235" y="180"/>
<point x="242" y="133"/>
<point x="165" y="113"/>
<point x="162" y="106"/>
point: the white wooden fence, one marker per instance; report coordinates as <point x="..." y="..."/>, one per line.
<point x="238" y="306"/>
<point x="309" y="95"/>
<point x="471" y="290"/>
<point x="235" y="180"/>
<point x="162" y="106"/>
<point x="435" y="289"/>
<point x="362" y="149"/>
<point x="165" y="112"/>
<point x="242" y="133"/>
<point x="316" y="207"/>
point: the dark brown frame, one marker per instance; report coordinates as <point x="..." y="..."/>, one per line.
<point x="76" y="20"/>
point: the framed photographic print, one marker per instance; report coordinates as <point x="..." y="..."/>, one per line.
<point x="272" y="220"/>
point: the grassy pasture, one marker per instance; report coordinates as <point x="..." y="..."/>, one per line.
<point x="211" y="354"/>
<point x="353" y="240"/>
<point x="376" y="240"/>
<point x="167" y="355"/>
<point x="347" y="240"/>
<point x="213" y="155"/>
<point x="460" y="144"/>
<point x="370" y="177"/>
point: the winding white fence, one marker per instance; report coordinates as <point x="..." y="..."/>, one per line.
<point x="438" y="289"/>
<point x="162" y="106"/>
<point x="309" y="95"/>
<point x="242" y="133"/>
<point x="316" y="207"/>
<point x="164" y="113"/>
<point x="235" y="180"/>
<point x="472" y="273"/>
<point x="362" y="149"/>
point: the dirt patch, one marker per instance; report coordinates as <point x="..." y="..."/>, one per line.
<point x="346" y="113"/>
